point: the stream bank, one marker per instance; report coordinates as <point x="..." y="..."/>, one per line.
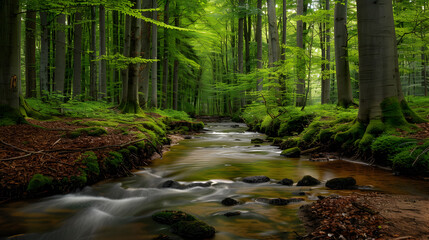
<point x="42" y="158"/>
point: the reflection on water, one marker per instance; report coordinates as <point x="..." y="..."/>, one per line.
<point x="121" y="208"/>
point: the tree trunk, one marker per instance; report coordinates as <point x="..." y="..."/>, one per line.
<point x="381" y="96"/>
<point x="60" y="54"/>
<point x="77" y="55"/>
<point x="154" y="98"/>
<point x="284" y="28"/>
<point x="44" y="54"/>
<point x="132" y="101"/>
<point x="300" y="87"/>
<point x="10" y="62"/>
<point x="145" y="69"/>
<point x="327" y="79"/>
<point x="247" y="36"/>
<point x="273" y="32"/>
<point x="258" y="38"/>
<point x="344" y="87"/>
<point x="30" y="54"/>
<point x="116" y="49"/>
<point x="424" y="84"/>
<point x="92" y="57"/>
<point x="126" y="53"/>
<point x="176" y="66"/>
<point x="240" y="36"/>
<point x="165" y="66"/>
<point x="102" y="31"/>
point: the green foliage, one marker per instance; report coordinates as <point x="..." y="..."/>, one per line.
<point x="290" y="142"/>
<point x="308" y="135"/>
<point x="412" y="160"/>
<point x="296" y="124"/>
<point x="125" y="153"/>
<point x="114" y="160"/>
<point x="170" y="217"/>
<point x="132" y="149"/>
<point x="153" y="127"/>
<point x="38" y="183"/>
<point x="91" y="162"/>
<point x="173" y="114"/>
<point x="91" y="131"/>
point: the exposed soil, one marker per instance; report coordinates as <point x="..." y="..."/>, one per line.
<point x="367" y="216"/>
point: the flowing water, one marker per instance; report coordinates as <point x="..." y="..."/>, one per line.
<point x="223" y="155"/>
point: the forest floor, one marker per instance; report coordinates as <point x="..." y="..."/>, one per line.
<point x="44" y="147"/>
<point x="367" y="216"/>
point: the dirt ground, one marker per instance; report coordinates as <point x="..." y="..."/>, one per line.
<point x="367" y="216"/>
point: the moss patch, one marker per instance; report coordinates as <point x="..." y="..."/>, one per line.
<point x="38" y="183"/>
<point x="291" y="152"/>
<point x="90" y="131"/>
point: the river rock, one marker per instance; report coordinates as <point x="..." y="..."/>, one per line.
<point x="170" y="217"/>
<point x="294" y="152"/>
<point x="286" y="181"/>
<point x="232" y="214"/>
<point x="308" y="181"/>
<point x="204" y="184"/>
<point x="256" y="141"/>
<point x="256" y="179"/>
<point x="193" y="229"/>
<point x="229" y="202"/>
<point x="177" y="185"/>
<point x="187" y="137"/>
<point x="341" y="183"/>
<point x="279" y="201"/>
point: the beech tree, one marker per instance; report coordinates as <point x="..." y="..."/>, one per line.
<point x="77" y="55"/>
<point x="30" y="54"/>
<point x="60" y="54"/>
<point x="300" y="86"/>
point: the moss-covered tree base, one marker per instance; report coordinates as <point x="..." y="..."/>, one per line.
<point x="131" y="107"/>
<point x="10" y="116"/>
<point x="28" y="111"/>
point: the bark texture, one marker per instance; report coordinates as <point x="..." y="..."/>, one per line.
<point x="30" y="54"/>
<point x="344" y="87"/>
<point x="102" y="27"/>
<point x="77" y="55"/>
<point x="60" y="54"/>
<point x="258" y="37"/>
<point x="92" y="56"/>
<point x="145" y="68"/>
<point x="273" y="32"/>
<point x="154" y="92"/>
<point x="44" y="54"/>
<point x="300" y="86"/>
<point x="165" y="67"/>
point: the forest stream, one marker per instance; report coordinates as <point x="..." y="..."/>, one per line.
<point x="223" y="155"/>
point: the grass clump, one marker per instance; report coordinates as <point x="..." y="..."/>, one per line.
<point x="91" y="163"/>
<point x="39" y="182"/>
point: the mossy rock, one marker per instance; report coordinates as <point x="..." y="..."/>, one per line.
<point x="90" y="131"/>
<point x="294" y="152"/>
<point x="308" y="181"/>
<point x="229" y="202"/>
<point x="91" y="162"/>
<point x="153" y="127"/>
<point x="256" y="179"/>
<point x="290" y="142"/>
<point x="257" y="141"/>
<point x="286" y="182"/>
<point x="170" y="217"/>
<point x="295" y="125"/>
<point x="341" y="183"/>
<point x="39" y="182"/>
<point x="79" y="181"/>
<point x="193" y="229"/>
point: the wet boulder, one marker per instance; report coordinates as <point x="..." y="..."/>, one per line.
<point x="172" y="184"/>
<point x="229" y="202"/>
<point x="308" y="181"/>
<point x="294" y="152"/>
<point x="193" y="229"/>
<point x="256" y="141"/>
<point x="286" y="181"/>
<point x="204" y="184"/>
<point x="279" y="201"/>
<point x="170" y="217"/>
<point x="341" y="183"/>
<point x="256" y="179"/>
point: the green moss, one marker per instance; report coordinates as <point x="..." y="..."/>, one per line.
<point x="409" y="114"/>
<point x="308" y="135"/>
<point x="413" y="160"/>
<point x="193" y="230"/>
<point x="101" y="123"/>
<point x="125" y="153"/>
<point x="114" y="160"/>
<point x="39" y="182"/>
<point x="385" y="147"/>
<point x="79" y="181"/>
<point x="290" y="142"/>
<point x="392" y="112"/>
<point x="295" y="125"/>
<point x="132" y="149"/>
<point x="291" y="152"/>
<point x="153" y="127"/>
<point x="351" y="136"/>
<point x="10" y="116"/>
<point x="91" y="162"/>
<point x="373" y="130"/>
<point x="171" y="216"/>
<point x="325" y="135"/>
<point x="90" y="131"/>
<point x="197" y="126"/>
<point x="28" y="111"/>
<point x="131" y="107"/>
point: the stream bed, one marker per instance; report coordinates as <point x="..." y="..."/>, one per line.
<point x="122" y="208"/>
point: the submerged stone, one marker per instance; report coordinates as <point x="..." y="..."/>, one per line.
<point x="170" y="217"/>
<point x="193" y="229"/>
<point x="308" y="181"/>
<point x="286" y="181"/>
<point x="232" y="214"/>
<point x="177" y="185"/>
<point x="256" y="141"/>
<point x="256" y="179"/>
<point x="341" y="183"/>
<point x="229" y="202"/>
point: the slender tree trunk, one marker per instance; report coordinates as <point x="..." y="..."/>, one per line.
<point x="102" y="31"/>
<point x="176" y="66"/>
<point x="77" y="55"/>
<point x="284" y="28"/>
<point x="126" y="53"/>
<point x="344" y="87"/>
<point x="381" y="95"/>
<point x="165" y="67"/>
<point x="92" y="57"/>
<point x="44" y="54"/>
<point x="247" y="36"/>
<point x="300" y="87"/>
<point x="322" y="33"/>
<point x="145" y="69"/>
<point x="10" y="65"/>
<point x="154" y="98"/>
<point x="240" y="37"/>
<point x="423" y="58"/>
<point x="327" y="79"/>
<point x="60" y="54"/>
<point x="132" y="101"/>
<point x="30" y="54"/>
<point x="273" y="32"/>
<point x="116" y="49"/>
<point x="258" y="38"/>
